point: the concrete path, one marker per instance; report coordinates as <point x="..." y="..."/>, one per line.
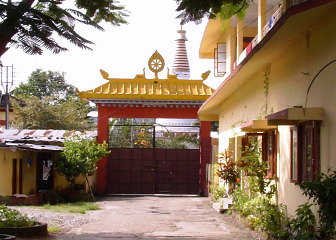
<point x="159" y="217"/>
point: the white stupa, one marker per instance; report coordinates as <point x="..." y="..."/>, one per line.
<point x="181" y="64"/>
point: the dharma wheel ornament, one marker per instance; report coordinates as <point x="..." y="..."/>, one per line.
<point x="156" y="63"/>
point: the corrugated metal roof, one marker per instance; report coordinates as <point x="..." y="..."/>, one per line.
<point x="27" y="135"/>
<point x="27" y="146"/>
<point x="155" y="89"/>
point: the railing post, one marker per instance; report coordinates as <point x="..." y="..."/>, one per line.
<point x="261" y="18"/>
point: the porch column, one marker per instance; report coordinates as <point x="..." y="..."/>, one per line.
<point x="231" y="49"/>
<point x="102" y="135"/>
<point x="240" y="35"/>
<point x="261" y="18"/>
<point x="205" y="158"/>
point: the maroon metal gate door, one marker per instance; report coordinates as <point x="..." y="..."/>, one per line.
<point x="147" y="171"/>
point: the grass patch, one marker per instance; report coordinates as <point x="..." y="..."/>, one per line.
<point x="53" y="229"/>
<point x="76" y="207"/>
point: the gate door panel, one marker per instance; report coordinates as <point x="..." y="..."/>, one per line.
<point x="149" y="171"/>
<point x="164" y="172"/>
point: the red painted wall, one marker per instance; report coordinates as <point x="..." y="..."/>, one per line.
<point x="148" y="112"/>
<point x="102" y="135"/>
<point x="205" y="158"/>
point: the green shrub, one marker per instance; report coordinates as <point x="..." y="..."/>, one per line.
<point x="240" y="198"/>
<point x="322" y="190"/>
<point x="52" y="197"/>
<point x="257" y="179"/>
<point x="303" y="226"/>
<point x="4" y="200"/>
<point x="13" y="218"/>
<point x="217" y="191"/>
<point x="262" y="214"/>
<point x="73" y="194"/>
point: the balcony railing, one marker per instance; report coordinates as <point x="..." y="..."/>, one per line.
<point x="273" y="20"/>
<point x="268" y="26"/>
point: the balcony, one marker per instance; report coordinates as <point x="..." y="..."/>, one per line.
<point x="280" y="8"/>
<point x="268" y="26"/>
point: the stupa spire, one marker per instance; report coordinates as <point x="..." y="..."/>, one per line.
<point x="181" y="64"/>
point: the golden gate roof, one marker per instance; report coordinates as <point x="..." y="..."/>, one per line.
<point x="140" y="87"/>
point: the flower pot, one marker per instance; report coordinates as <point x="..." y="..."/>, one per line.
<point x="38" y="230"/>
<point x="6" y="237"/>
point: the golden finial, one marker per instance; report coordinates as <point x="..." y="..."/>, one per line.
<point x="170" y="76"/>
<point x="104" y="74"/>
<point x="205" y="75"/>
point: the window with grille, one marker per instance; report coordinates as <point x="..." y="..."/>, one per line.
<point x="220" y="60"/>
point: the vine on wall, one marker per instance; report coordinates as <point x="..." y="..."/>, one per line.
<point x="266" y="77"/>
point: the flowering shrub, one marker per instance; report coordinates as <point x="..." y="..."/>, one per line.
<point x="227" y="169"/>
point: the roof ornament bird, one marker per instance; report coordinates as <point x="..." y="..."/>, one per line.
<point x="104" y="74"/>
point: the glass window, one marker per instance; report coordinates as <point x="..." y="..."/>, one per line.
<point x="272" y="152"/>
<point x="294" y="154"/>
<point x="305" y="151"/>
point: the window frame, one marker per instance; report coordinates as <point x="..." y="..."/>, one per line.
<point x="294" y="144"/>
<point x="308" y="133"/>
<point x="271" y="160"/>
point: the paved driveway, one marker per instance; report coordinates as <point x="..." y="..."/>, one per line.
<point x="159" y="217"/>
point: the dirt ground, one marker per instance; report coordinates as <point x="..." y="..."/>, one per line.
<point x="148" y="217"/>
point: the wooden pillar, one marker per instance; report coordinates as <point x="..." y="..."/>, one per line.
<point x="231" y="49"/>
<point x="14" y="176"/>
<point x="102" y="135"/>
<point x="205" y="158"/>
<point x="240" y="35"/>
<point x="261" y="18"/>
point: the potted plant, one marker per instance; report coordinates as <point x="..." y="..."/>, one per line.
<point x="228" y="170"/>
<point x="14" y="223"/>
<point x="6" y="237"/>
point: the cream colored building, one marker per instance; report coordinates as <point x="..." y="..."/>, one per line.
<point x="27" y="159"/>
<point x="279" y="80"/>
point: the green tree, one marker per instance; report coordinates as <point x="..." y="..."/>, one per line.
<point x="195" y="10"/>
<point x="127" y="133"/>
<point x="79" y="158"/>
<point x="177" y="140"/>
<point x="30" y="24"/>
<point x="47" y="101"/>
<point x="44" y="84"/>
<point x="36" y="113"/>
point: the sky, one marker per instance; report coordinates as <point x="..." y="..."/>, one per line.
<point x="121" y="51"/>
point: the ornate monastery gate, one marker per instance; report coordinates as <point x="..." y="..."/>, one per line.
<point x="153" y="170"/>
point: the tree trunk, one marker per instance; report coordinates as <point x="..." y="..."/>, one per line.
<point x="8" y="28"/>
<point x="90" y="189"/>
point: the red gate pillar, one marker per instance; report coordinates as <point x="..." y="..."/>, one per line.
<point x="102" y="135"/>
<point x="205" y="158"/>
